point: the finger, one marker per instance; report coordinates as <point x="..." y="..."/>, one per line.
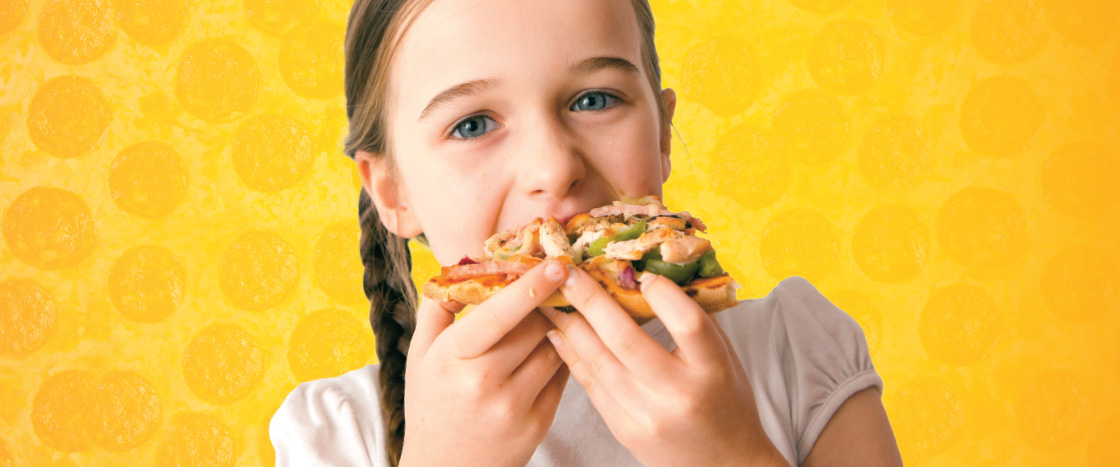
<point x="600" y="397"/>
<point x="613" y="326"/>
<point x="697" y="340"/>
<point x="432" y="318"/>
<point x="477" y="332"/>
<point x="537" y="370"/>
<point x="544" y="407"/>
<point x="590" y="347"/>
<point x="517" y="346"/>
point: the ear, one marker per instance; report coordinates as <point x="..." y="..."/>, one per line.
<point x="388" y="198"/>
<point x="670" y="99"/>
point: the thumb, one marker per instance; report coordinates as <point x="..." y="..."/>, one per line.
<point x="432" y="318"/>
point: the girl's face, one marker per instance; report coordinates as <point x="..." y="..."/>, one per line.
<point x="501" y="111"/>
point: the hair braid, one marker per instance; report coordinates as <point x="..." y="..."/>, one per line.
<point x="392" y="314"/>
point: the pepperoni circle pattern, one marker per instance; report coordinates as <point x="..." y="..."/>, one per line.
<point x="1007" y="32"/>
<point x="12" y="14"/>
<point x="49" y="228"/>
<point x="1080" y="283"/>
<point x="846" y="57"/>
<point x="28" y="317"/>
<point x="1000" y="116"/>
<point x="271" y="152"/>
<point x="197" y="439"/>
<point x="800" y="242"/>
<point x="748" y="165"/>
<point x="68" y="116"/>
<point x="217" y="80"/>
<point x="258" y="270"/>
<point x="813" y="126"/>
<point x="311" y="59"/>
<point x="936" y="416"/>
<point x="338" y="270"/>
<point x="328" y="343"/>
<point x="891" y="244"/>
<point x="724" y="75"/>
<point x="959" y="324"/>
<point x="982" y="227"/>
<point x="62" y="412"/>
<point x="924" y="17"/>
<point x="151" y="22"/>
<point x="277" y="17"/>
<point x="128" y="410"/>
<point x="222" y="363"/>
<point x="146" y="283"/>
<point x="76" y="31"/>
<point x="148" y="179"/>
<point x="895" y="153"/>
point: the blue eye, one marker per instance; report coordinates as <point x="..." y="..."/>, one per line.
<point x="595" y="101"/>
<point x="473" y="127"/>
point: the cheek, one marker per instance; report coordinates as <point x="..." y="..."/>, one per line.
<point x="632" y="160"/>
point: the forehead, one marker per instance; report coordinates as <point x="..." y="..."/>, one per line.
<point x="453" y="41"/>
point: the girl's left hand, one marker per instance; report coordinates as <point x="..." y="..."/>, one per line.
<point x="694" y="406"/>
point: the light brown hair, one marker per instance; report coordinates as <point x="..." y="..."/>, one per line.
<point x="372" y="35"/>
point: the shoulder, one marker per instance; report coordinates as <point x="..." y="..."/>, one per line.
<point x="808" y="353"/>
<point x="796" y="317"/>
<point x="330" y="421"/>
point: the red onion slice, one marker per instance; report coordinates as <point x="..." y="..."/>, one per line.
<point x="626" y="279"/>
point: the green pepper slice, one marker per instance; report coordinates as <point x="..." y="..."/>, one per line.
<point x="599" y="246"/>
<point x="679" y="273"/>
<point x="709" y="267"/>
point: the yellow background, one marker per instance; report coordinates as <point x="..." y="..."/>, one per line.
<point x="180" y="238"/>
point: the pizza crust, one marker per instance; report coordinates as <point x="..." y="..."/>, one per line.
<point x="712" y="294"/>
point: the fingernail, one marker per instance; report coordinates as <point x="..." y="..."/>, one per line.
<point x="555" y="339"/>
<point x="571" y="277"/>
<point x="554" y="271"/>
<point x="645" y="280"/>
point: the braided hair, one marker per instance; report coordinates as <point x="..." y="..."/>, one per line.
<point x="392" y="314"/>
<point x="373" y="32"/>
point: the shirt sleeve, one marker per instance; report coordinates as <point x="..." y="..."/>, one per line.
<point x="829" y="355"/>
<point x="330" y="422"/>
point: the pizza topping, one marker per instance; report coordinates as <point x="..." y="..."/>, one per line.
<point x="524" y="241"/>
<point x="709" y="267"/>
<point x="634" y="249"/>
<point x="679" y="273"/>
<point x="629" y="233"/>
<point x="515" y="266"/>
<point x="668" y="222"/>
<point x="579" y="247"/>
<point x="626" y="279"/>
<point x="467" y="260"/>
<point x="649" y="206"/>
<point x="684" y="249"/>
<point x="553" y="239"/>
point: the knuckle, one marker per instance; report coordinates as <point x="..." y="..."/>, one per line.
<point x="597" y="364"/>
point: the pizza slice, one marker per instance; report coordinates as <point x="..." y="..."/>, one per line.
<point x="615" y="244"/>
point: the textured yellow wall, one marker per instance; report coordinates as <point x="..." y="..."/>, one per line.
<point x="179" y="232"/>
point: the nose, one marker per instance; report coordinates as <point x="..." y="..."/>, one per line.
<point x="551" y="162"/>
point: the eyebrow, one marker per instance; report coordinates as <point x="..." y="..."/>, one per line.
<point x="586" y="66"/>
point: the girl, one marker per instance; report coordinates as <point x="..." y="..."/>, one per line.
<point x="470" y="117"/>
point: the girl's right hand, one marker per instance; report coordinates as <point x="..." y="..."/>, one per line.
<point x="484" y="391"/>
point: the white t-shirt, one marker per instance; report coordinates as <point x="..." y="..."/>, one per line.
<point x="804" y="358"/>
